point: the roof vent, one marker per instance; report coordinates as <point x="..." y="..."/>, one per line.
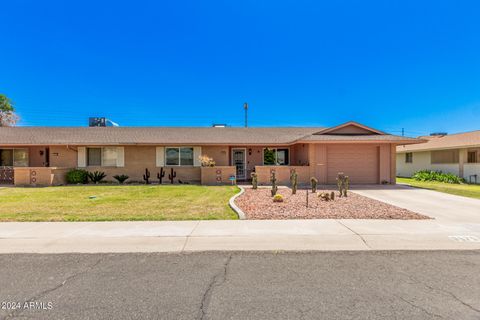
<point x="219" y="125"/>
<point x="438" y="134"/>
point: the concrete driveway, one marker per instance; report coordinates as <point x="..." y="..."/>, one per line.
<point x="441" y="206"/>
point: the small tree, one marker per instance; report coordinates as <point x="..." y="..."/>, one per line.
<point x="8" y="117"/>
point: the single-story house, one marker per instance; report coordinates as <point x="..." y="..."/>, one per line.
<point x="456" y="153"/>
<point x="42" y="155"/>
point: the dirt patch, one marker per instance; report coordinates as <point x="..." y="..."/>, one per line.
<point x="258" y="204"/>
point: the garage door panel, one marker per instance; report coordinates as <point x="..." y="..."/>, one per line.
<point x="359" y="162"/>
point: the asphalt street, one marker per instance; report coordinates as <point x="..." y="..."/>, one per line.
<point x="242" y="285"/>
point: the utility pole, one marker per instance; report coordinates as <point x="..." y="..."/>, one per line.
<point x="245" y="106"/>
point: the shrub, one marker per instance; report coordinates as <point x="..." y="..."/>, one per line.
<point x="96" y="176"/>
<point x="121" y="178"/>
<point x="429" y="175"/>
<point x="76" y="176"/>
<point x="278" y="198"/>
<point x="206" y="161"/>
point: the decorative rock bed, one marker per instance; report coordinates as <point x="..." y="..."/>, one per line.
<point x="258" y="204"/>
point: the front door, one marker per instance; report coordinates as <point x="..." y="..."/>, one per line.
<point x="239" y="161"/>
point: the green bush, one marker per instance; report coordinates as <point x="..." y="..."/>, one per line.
<point x="76" y="176"/>
<point x="96" y="176"/>
<point x="121" y="178"/>
<point x="429" y="175"/>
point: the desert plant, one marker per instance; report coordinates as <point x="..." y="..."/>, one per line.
<point x="96" y="176"/>
<point x="278" y="198"/>
<point x="273" y="179"/>
<point x="294" y="180"/>
<point x="121" y="178"/>
<point x="430" y="175"/>
<point x="206" y="161"/>
<point x="172" y="175"/>
<point x="324" y="196"/>
<point x="254" y="180"/>
<point x="332" y="195"/>
<point x="76" y="176"/>
<point x="146" y="176"/>
<point x="313" y="184"/>
<point x="342" y="183"/>
<point x="161" y="175"/>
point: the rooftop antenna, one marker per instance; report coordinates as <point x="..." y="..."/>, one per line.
<point x="245" y="106"/>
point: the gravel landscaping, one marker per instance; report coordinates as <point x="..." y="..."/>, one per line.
<point x="258" y="204"/>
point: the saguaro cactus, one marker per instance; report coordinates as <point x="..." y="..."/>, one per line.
<point x="313" y="183"/>
<point x="146" y="176"/>
<point x="294" y="180"/>
<point x="273" y="179"/>
<point x="160" y="175"/>
<point x="343" y="184"/>
<point x="172" y="175"/>
<point x="254" y="180"/>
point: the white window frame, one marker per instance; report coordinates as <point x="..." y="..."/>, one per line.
<point x="179" y="156"/>
<point x="275" y="148"/>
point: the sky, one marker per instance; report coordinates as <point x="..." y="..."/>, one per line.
<point x="387" y="64"/>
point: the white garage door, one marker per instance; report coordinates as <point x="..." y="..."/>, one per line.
<point x="359" y="162"/>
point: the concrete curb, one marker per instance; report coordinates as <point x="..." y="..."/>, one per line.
<point x="231" y="203"/>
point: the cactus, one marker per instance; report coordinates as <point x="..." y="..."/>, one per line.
<point x="254" y="180"/>
<point x="273" y="179"/>
<point x="332" y="195"/>
<point x="172" y="175"/>
<point x="313" y="183"/>
<point x="343" y="183"/>
<point x="146" y="176"/>
<point x="160" y="175"/>
<point x="293" y="180"/>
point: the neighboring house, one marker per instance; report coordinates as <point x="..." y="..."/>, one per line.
<point x="457" y="153"/>
<point x="42" y="155"/>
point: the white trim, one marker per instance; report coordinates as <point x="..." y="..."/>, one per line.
<point x="197" y="152"/>
<point x="244" y="163"/>
<point x="160" y="156"/>
<point x="120" y="157"/>
<point x="82" y="157"/>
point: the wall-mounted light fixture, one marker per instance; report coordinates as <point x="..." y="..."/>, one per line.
<point x="250" y="151"/>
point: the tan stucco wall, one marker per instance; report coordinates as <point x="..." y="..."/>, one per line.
<point x="35" y="159"/>
<point x="61" y="156"/>
<point x="220" y="154"/>
<point x="217" y="175"/>
<point x="282" y="174"/>
<point x="40" y="176"/>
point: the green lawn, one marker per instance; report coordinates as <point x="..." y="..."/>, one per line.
<point x="466" y="190"/>
<point x="116" y="203"/>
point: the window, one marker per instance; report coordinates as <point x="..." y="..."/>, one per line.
<point x="14" y="157"/>
<point x="275" y="157"/>
<point x="179" y="156"/>
<point x="94" y="157"/>
<point x="109" y="157"/>
<point x="472" y="157"/>
<point x="444" y="156"/>
<point x="408" y="157"/>
<point x="20" y="158"/>
<point x="6" y="157"/>
<point x="105" y="157"/>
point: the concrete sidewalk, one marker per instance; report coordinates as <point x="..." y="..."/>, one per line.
<point x="184" y="236"/>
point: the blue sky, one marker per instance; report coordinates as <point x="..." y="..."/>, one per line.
<point x="388" y="64"/>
